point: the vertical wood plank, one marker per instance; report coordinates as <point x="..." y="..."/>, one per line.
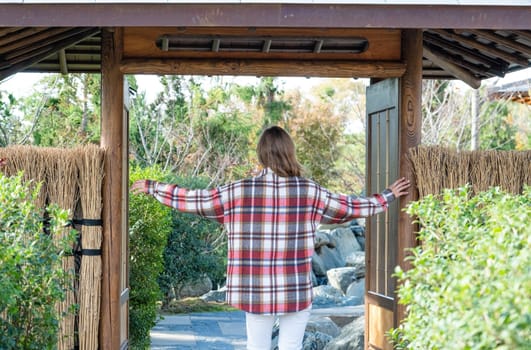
<point x="114" y="201"/>
<point x="410" y="134"/>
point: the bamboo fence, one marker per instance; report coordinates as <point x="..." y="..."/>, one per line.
<point x="437" y="168"/>
<point x="73" y="179"/>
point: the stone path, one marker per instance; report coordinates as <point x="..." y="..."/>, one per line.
<point x="200" y="331"/>
<point x="220" y="330"/>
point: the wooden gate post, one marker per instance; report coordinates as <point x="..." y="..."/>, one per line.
<point x="115" y="140"/>
<point x="410" y="132"/>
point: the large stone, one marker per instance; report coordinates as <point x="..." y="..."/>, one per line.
<point x="218" y="296"/>
<point x="342" y="277"/>
<point x="329" y="258"/>
<point x="195" y="289"/>
<point x="326" y="296"/>
<point x="352" y="337"/>
<point x="324" y="325"/>
<point x="356" y="260"/>
<point x="357" y="289"/>
<point x="345" y="241"/>
<point x="319" y="332"/>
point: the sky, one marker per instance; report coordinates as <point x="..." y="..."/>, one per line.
<point x="21" y="84"/>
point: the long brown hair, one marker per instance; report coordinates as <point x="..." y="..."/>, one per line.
<point x="276" y="150"/>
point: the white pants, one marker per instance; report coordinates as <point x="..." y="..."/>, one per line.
<point x="291" y="332"/>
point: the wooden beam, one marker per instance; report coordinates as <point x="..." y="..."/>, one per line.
<point x="34" y="40"/>
<point x="410" y="136"/>
<point x="495" y="67"/>
<point x="499" y="40"/>
<point x="460" y="62"/>
<point x="523" y="33"/>
<point x="267" y="14"/>
<point x="62" y="62"/>
<point x="338" y="69"/>
<point x="482" y="47"/>
<point x="113" y="139"/>
<point x="42" y="53"/>
<point x="451" y="68"/>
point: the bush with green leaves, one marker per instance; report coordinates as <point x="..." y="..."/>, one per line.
<point x="196" y="247"/>
<point x="32" y="277"/>
<point x="470" y="284"/>
<point x="149" y="227"/>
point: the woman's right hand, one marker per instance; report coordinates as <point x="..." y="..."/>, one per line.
<point x="139" y="186"/>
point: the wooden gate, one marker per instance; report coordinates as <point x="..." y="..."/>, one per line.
<point x="382" y="230"/>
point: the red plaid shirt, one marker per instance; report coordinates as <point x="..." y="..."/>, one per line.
<point x="270" y="221"/>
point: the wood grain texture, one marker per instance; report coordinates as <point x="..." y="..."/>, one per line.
<point x="410" y="133"/>
<point x="114" y="141"/>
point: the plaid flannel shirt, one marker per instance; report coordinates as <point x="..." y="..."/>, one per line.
<point x="270" y="222"/>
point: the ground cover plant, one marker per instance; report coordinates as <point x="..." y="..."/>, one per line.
<point x="32" y="279"/>
<point x="470" y="285"/>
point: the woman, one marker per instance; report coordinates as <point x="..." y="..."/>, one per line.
<point x="270" y="220"/>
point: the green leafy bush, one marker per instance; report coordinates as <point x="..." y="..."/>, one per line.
<point x="149" y="226"/>
<point x="196" y="247"/>
<point x="470" y="285"/>
<point x="32" y="277"/>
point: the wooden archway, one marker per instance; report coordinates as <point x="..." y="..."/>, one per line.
<point x="409" y="42"/>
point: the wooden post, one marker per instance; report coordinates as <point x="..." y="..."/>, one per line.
<point x="410" y="132"/>
<point x="114" y="140"/>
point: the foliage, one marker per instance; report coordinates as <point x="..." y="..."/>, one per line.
<point x="189" y="305"/>
<point x="149" y="227"/>
<point x="10" y="125"/>
<point x="470" y="284"/>
<point x="448" y="113"/>
<point x="326" y="128"/>
<point x="66" y="112"/>
<point x="196" y="247"/>
<point x="31" y="268"/>
<point x="191" y="130"/>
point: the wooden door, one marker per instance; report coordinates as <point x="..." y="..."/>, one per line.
<point x="382" y="230"/>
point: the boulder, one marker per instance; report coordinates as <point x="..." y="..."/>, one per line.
<point x="341" y="278"/>
<point x="195" y="289"/>
<point x="352" y="337"/>
<point x="345" y="241"/>
<point x="326" y="296"/>
<point x="323" y="325"/>
<point x="356" y="260"/>
<point x="218" y="296"/>
<point x="357" y="290"/>
<point x="319" y="332"/>
<point x="326" y="259"/>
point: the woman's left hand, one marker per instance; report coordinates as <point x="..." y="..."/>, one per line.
<point x="399" y="187"/>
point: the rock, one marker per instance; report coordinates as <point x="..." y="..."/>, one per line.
<point x="316" y="336"/>
<point x="315" y="341"/>
<point x="328" y="258"/>
<point x="323" y="325"/>
<point x="326" y="295"/>
<point x="218" y="296"/>
<point x="352" y="337"/>
<point x="356" y="260"/>
<point x="201" y="286"/>
<point x="342" y="277"/>
<point x="318" y="265"/>
<point x="357" y="290"/>
<point x="345" y="241"/>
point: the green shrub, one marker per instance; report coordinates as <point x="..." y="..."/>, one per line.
<point x="470" y="285"/>
<point x="32" y="277"/>
<point x="149" y="227"/>
<point x="196" y="247"/>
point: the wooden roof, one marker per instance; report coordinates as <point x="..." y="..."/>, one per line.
<point x="517" y="91"/>
<point x="478" y="46"/>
